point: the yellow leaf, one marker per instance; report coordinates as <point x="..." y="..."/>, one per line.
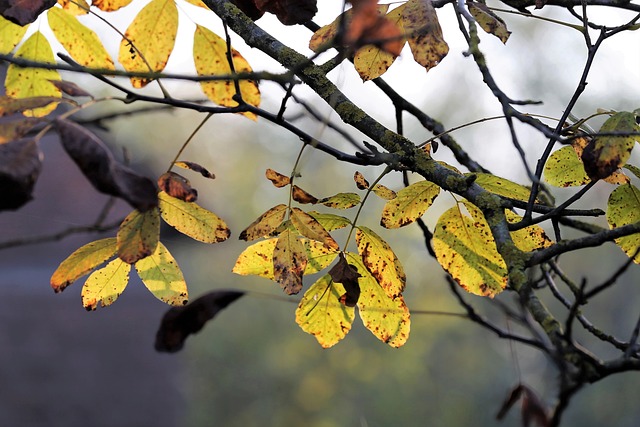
<point x="489" y="21"/>
<point x="152" y="36"/>
<point x="75" y="7"/>
<point x="319" y="256"/>
<point x="410" y="204"/>
<point x="381" y="261"/>
<point x="384" y="192"/>
<point x="138" y="235"/>
<point x="529" y="238"/>
<point x="341" y="201"/>
<point x="309" y="227"/>
<point x="10" y="106"/>
<point x="81" y="262"/>
<point x="110" y="5"/>
<point x="330" y="222"/>
<point x="372" y="62"/>
<point x="387" y="318"/>
<point x="82" y="43"/>
<point x="257" y="260"/>
<point x="616" y="178"/>
<point x="265" y="224"/>
<point x="502" y="186"/>
<point x="162" y="276"/>
<point x="10" y="35"/>
<point x="105" y="285"/>
<point x="321" y="315"/>
<point x="623" y="208"/>
<point x="466" y="249"/>
<point x="33" y="82"/>
<point x="289" y="262"/>
<point x="565" y="169"/>
<point x="422" y="30"/>
<point x="192" y="220"/>
<point x="210" y="56"/>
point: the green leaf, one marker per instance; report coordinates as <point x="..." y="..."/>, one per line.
<point x="321" y="315"/>
<point x="210" y="56"/>
<point x="192" y="220"/>
<point x="466" y="249"/>
<point x="83" y="44"/>
<point x="265" y="224"/>
<point x="10" y="35"/>
<point x="138" y="235"/>
<point x="149" y="39"/>
<point x="605" y="154"/>
<point x="565" y="169"/>
<point x="342" y="201"/>
<point x="289" y="262"/>
<point x="502" y="186"/>
<point x="81" y="262"/>
<point x="162" y="276"/>
<point x="381" y="261"/>
<point x="33" y="82"/>
<point x="105" y="285"/>
<point x="387" y="318"/>
<point x="410" y="204"/>
<point x="623" y="208"/>
<point x="312" y="229"/>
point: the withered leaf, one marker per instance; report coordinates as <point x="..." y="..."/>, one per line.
<point x="177" y="186"/>
<point x="70" y="88"/>
<point x="289" y="12"/>
<point x="23" y="12"/>
<point x="265" y="223"/>
<point x="361" y="181"/>
<point x="309" y="227"/>
<point x="180" y="322"/>
<point x="347" y="275"/>
<point x="99" y="166"/>
<point x="301" y="196"/>
<point x="196" y="168"/>
<point x="10" y="106"/>
<point x="249" y="8"/>
<point x="277" y="178"/>
<point x="289" y="262"/>
<point x="20" y="165"/>
<point x="16" y="129"/>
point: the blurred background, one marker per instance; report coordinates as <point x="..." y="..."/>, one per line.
<point x="253" y="366"/>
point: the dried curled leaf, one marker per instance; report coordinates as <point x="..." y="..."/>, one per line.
<point x="348" y="276"/>
<point x="301" y="196"/>
<point x="177" y="186"/>
<point x="97" y="163"/>
<point x="180" y="322"/>
<point x="289" y="12"/>
<point x="23" y="12"/>
<point x="277" y="179"/>
<point x="195" y="167"/>
<point x="20" y="165"/>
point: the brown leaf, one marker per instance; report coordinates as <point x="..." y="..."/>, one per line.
<point x="196" y="168"/>
<point x="616" y="178"/>
<point x="108" y="176"/>
<point x="289" y="262"/>
<point x="70" y="88"/>
<point x="277" y="178"/>
<point x="347" y="275"/>
<point x="361" y="181"/>
<point x="423" y="32"/>
<point x="364" y="16"/>
<point x="23" y="12"/>
<point x="16" y="129"/>
<point x="249" y="8"/>
<point x="289" y="12"/>
<point x="177" y="186"/>
<point x="180" y="322"/>
<point x="385" y="34"/>
<point x="301" y="196"/>
<point x="532" y="407"/>
<point x="20" y="165"/>
<point x="12" y="106"/>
